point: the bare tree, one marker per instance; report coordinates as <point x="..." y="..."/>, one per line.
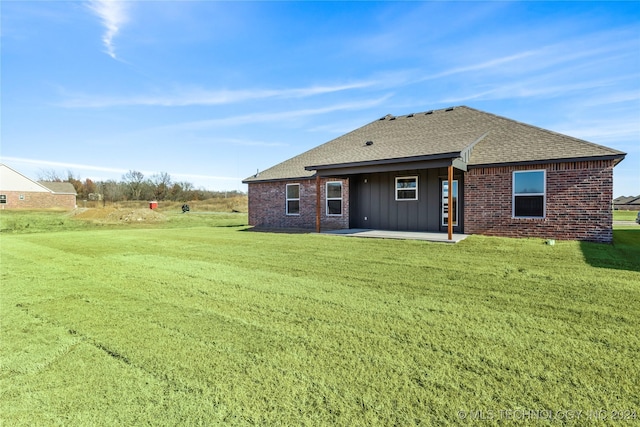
<point x="49" y="175"/>
<point x="161" y="185"/>
<point x="134" y="181"/>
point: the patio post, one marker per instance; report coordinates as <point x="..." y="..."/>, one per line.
<point x="318" y="199"/>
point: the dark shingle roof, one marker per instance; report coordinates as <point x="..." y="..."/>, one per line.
<point x="627" y="200"/>
<point x="497" y="140"/>
<point x="59" y="187"/>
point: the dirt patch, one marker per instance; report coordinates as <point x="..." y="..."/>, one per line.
<point x="119" y="215"/>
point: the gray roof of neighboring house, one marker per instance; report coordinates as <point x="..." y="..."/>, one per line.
<point x="627" y="200"/>
<point x="59" y="187"/>
<point x="481" y="138"/>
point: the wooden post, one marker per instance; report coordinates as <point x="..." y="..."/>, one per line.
<point x="318" y="200"/>
<point x="450" y="202"/>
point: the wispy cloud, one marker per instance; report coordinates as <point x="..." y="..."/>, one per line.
<point x="48" y="163"/>
<point x="181" y="97"/>
<point x="113" y="14"/>
<point x="279" y="116"/>
<point x="498" y="62"/>
<point x="111" y="171"/>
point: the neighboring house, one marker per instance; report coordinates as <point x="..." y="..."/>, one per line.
<point x="19" y="192"/>
<point x="506" y="179"/>
<point x="627" y="203"/>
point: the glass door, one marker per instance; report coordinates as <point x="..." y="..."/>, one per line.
<point x="445" y="203"/>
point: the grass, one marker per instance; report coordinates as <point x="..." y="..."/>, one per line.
<point x="625" y="215"/>
<point x="183" y="324"/>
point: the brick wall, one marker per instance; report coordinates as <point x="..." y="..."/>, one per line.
<point x="267" y="205"/>
<point x="578" y="202"/>
<point x="40" y="200"/>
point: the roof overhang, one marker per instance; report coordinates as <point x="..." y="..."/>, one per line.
<point x="390" y="165"/>
<point x="617" y="158"/>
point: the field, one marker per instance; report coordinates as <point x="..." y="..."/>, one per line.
<point x="196" y="320"/>
<point x="625" y="215"/>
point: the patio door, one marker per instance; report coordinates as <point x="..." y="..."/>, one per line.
<point x="448" y="210"/>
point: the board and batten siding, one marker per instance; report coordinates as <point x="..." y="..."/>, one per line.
<point x="373" y="204"/>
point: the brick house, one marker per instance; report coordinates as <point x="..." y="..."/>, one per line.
<point x="503" y="178"/>
<point x="627" y="203"/>
<point x="19" y="192"/>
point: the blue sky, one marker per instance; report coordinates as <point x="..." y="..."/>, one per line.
<point x="211" y="91"/>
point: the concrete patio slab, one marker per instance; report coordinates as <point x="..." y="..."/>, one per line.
<point x="405" y="235"/>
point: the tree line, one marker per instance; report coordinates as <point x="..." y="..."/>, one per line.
<point x="135" y="186"/>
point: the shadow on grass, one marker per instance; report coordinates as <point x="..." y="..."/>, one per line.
<point x="623" y="254"/>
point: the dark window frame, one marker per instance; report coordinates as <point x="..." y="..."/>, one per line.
<point x="529" y="204"/>
<point x="333" y="199"/>
<point x="290" y="202"/>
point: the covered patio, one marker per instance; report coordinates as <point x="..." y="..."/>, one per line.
<point x="403" y="235"/>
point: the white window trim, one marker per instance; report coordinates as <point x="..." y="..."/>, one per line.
<point x="543" y="194"/>
<point x="287" y="200"/>
<point x="326" y="192"/>
<point x="396" y="188"/>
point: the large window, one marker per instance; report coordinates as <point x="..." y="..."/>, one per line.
<point x="529" y="188"/>
<point x="293" y="199"/>
<point x="334" y="198"/>
<point x="407" y="188"/>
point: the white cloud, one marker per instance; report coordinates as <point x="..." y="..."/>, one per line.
<point x="279" y="116"/>
<point x="181" y="97"/>
<point x="113" y="14"/>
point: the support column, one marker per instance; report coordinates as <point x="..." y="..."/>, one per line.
<point x="450" y="202"/>
<point x="318" y="200"/>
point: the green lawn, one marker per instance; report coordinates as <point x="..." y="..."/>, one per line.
<point x="625" y="215"/>
<point x="183" y="324"/>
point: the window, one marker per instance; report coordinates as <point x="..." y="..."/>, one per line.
<point x="529" y="190"/>
<point x="3" y="198"/>
<point x="407" y="188"/>
<point x="21" y="197"/>
<point x="293" y="199"/>
<point x="334" y="198"/>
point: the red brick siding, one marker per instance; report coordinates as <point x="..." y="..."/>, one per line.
<point x="267" y="205"/>
<point x="578" y="202"/>
<point x="34" y="200"/>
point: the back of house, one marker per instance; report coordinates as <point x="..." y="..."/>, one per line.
<point x="485" y="173"/>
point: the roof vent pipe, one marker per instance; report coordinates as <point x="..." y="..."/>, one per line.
<point x="368" y="143"/>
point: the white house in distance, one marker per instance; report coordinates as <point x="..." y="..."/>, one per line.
<point x="19" y="192"/>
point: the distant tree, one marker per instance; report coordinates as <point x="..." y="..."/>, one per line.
<point x="161" y="184"/>
<point x="77" y="185"/>
<point x="49" y="175"/>
<point x="181" y="191"/>
<point x="111" y="190"/>
<point x="135" y="182"/>
<point x="89" y="187"/>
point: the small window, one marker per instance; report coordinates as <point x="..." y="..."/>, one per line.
<point x="3" y="198"/>
<point x="334" y="198"/>
<point x="529" y="188"/>
<point x="407" y="188"/>
<point x="21" y="197"/>
<point x="293" y="199"/>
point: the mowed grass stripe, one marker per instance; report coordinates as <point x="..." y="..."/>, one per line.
<point x="294" y="329"/>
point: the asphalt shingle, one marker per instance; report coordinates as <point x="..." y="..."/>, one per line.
<point x="438" y="132"/>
